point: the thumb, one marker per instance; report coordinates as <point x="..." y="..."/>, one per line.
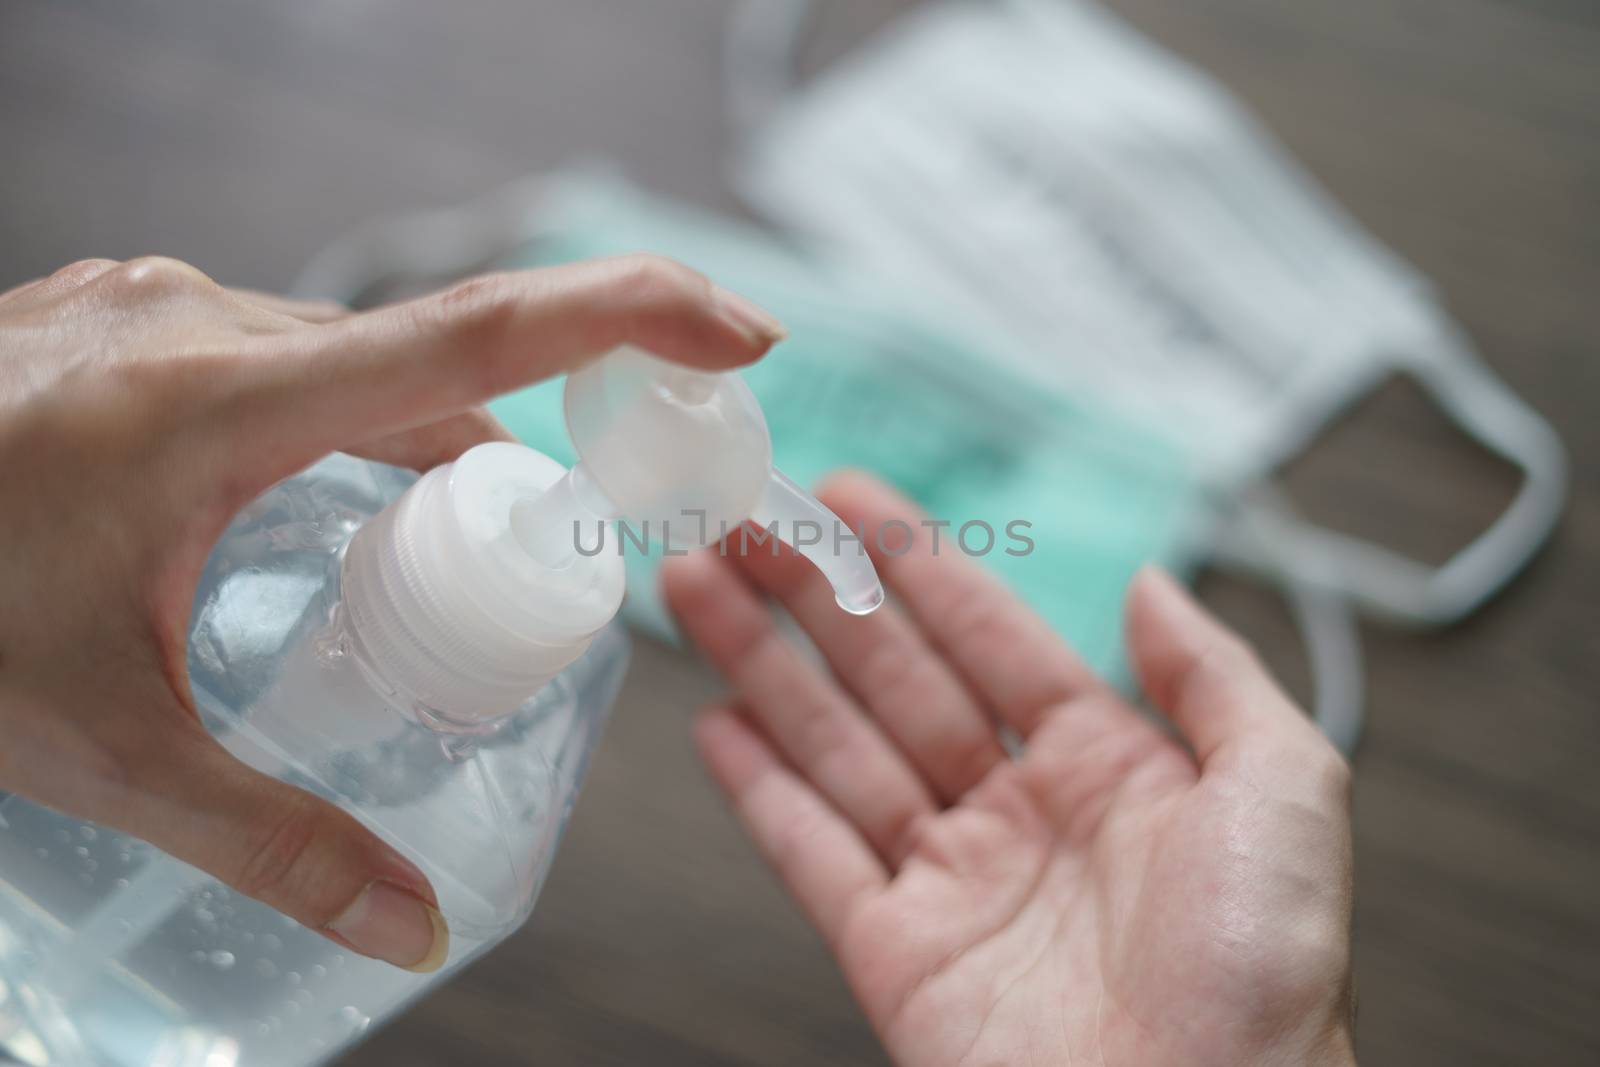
<point x="290" y="850"/>
<point x="1215" y="690"/>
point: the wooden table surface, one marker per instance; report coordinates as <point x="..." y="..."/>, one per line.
<point x="1465" y="133"/>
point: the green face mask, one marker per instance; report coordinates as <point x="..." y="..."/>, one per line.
<point x="860" y="384"/>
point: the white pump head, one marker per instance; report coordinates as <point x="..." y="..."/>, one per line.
<point x="469" y="592"/>
<point x="688" y="453"/>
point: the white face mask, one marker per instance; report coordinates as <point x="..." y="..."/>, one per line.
<point x="1070" y="200"/>
<point x="1037" y="172"/>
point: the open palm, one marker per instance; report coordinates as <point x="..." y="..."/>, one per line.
<point x="1113" y="895"/>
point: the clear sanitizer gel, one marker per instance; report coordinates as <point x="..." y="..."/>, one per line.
<point x="434" y="655"/>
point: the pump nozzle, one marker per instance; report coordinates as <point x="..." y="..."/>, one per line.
<point x="786" y="507"/>
<point x="683" y="456"/>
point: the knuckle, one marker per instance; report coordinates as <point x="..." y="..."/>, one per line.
<point x="894" y="672"/>
<point x="153" y="277"/>
<point x="972" y="618"/>
<point x="479" y="316"/>
<point x="484" y="294"/>
<point x="821" y="736"/>
<point x="658" y="285"/>
<point x="276" y="854"/>
<point x="791" y="846"/>
<point x="1217" y="669"/>
<point x="81" y="272"/>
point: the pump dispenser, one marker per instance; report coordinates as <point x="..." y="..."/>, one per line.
<point x="437" y="657"/>
<point x="473" y="590"/>
<point x="684" y="455"/>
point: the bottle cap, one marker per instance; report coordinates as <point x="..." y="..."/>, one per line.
<point x="451" y="608"/>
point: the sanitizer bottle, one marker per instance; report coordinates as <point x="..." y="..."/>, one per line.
<point x="434" y="655"/>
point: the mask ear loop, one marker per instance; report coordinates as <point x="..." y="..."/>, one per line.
<point x="1250" y="541"/>
<point x="1378" y="580"/>
<point x="1399" y="589"/>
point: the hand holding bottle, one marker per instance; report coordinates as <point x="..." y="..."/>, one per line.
<point x="1118" y="893"/>
<point x="141" y="405"/>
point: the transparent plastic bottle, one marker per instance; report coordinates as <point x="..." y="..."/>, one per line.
<point x="114" y="953"/>
<point x="425" y="653"/>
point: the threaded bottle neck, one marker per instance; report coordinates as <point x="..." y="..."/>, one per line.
<point x="448" y="607"/>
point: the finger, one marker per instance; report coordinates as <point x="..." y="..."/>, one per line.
<point x="820" y="857"/>
<point x="892" y="672"/>
<point x="439" y="442"/>
<point x="420" y="449"/>
<point x="18" y="290"/>
<point x="69" y="278"/>
<point x="383" y="371"/>
<point x="284" y="847"/>
<point x="1202" y="675"/>
<point x="294" y="307"/>
<point x="1006" y="653"/>
<point x="832" y="745"/>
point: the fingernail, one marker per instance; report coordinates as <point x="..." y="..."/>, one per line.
<point x="396" y="926"/>
<point x="748" y="318"/>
